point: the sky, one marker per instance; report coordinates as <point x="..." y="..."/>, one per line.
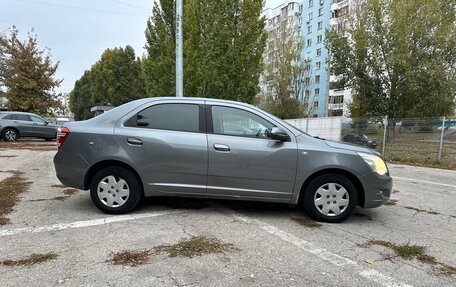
<point x="78" y="31"/>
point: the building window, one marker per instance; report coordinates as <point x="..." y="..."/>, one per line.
<point x="319" y="38"/>
<point x="315" y="104"/>
<point x="320" y="12"/>
<point x="307" y="94"/>
<point x="311" y="3"/>
<point x="307" y="68"/>
<point x="320" y="25"/>
<point x="317" y="79"/>
<point x="300" y="8"/>
<point x="310" y="16"/>
<point x="309" y="42"/>
<point x="318" y="65"/>
<point x="317" y="92"/>
<point x="336" y="99"/>
<point x="318" y="52"/>
<point x="307" y="81"/>
<point x="309" y="29"/>
<point x="315" y="115"/>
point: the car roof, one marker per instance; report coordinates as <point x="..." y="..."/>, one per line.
<point x="14" y="112"/>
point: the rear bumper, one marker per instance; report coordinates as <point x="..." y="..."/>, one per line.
<point x="377" y="189"/>
<point x="70" y="169"/>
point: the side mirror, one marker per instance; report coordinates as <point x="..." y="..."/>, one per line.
<point x="279" y="134"/>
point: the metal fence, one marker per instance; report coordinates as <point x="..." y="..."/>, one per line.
<point x="421" y="141"/>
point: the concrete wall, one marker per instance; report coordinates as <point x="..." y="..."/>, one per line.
<point x="329" y="128"/>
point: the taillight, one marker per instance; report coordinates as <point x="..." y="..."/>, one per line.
<point x="62" y="134"/>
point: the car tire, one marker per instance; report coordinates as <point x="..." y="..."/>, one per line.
<point x="115" y="190"/>
<point x="10" y="135"/>
<point x="330" y="198"/>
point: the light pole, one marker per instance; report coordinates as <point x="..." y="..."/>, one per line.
<point x="179" y="51"/>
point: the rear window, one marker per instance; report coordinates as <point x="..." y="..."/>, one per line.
<point x="22" y="117"/>
<point x="7" y="116"/>
<point x="175" y="117"/>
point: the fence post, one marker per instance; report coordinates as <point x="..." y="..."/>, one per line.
<point x="385" y="126"/>
<point x="441" y="138"/>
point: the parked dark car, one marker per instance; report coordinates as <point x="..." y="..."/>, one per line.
<point x="14" y="125"/>
<point x="360" y="139"/>
<point x="194" y="147"/>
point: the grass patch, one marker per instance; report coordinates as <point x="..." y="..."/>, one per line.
<point x="418" y="210"/>
<point x="412" y="251"/>
<point x="391" y="202"/>
<point x="70" y="191"/>
<point x="30" y="260"/>
<point x="30" y="145"/>
<point x="196" y="246"/>
<point x="307" y="222"/>
<point x="10" y="188"/>
<point x="130" y="257"/>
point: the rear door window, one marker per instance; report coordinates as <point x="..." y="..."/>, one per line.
<point x="174" y="117"/>
<point x="8" y="117"/>
<point x="22" y="117"/>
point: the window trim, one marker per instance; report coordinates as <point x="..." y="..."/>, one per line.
<point x="201" y="118"/>
<point x="210" y="126"/>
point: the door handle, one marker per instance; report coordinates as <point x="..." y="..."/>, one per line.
<point x="134" y="141"/>
<point x="221" y="147"/>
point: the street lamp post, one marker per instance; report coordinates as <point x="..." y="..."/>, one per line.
<point x="179" y="51"/>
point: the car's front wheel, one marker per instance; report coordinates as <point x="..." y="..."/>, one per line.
<point x="115" y="190"/>
<point x="330" y="198"/>
<point x="10" y="135"/>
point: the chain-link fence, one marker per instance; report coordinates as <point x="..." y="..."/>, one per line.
<point x="421" y="141"/>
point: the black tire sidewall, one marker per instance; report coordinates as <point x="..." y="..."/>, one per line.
<point x="9" y="129"/>
<point x="132" y="181"/>
<point x="316" y="183"/>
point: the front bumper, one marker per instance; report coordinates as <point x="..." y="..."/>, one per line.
<point x="70" y="169"/>
<point x="377" y="189"/>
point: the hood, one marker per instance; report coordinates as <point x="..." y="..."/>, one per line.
<point x="351" y="147"/>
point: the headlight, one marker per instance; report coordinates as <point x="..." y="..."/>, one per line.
<point x="376" y="163"/>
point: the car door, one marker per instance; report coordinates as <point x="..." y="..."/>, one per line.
<point x="167" y="143"/>
<point x="246" y="163"/>
<point x="41" y="128"/>
<point x="24" y="124"/>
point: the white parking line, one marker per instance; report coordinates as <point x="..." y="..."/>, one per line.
<point x="423" y="181"/>
<point x="370" y="274"/>
<point x="79" y="224"/>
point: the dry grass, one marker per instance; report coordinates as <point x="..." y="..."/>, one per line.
<point x="307" y="222"/>
<point x="196" y="246"/>
<point x="418" y="210"/>
<point x="130" y="257"/>
<point x="391" y="202"/>
<point x="10" y="188"/>
<point x="70" y="191"/>
<point x="30" y="260"/>
<point x="29" y="145"/>
<point x="58" y="186"/>
<point x="412" y="251"/>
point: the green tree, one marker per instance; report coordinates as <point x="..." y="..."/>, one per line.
<point x="159" y="65"/>
<point x="114" y="79"/>
<point x="398" y="56"/>
<point x="223" y="46"/>
<point x="283" y="70"/>
<point x="28" y="75"/>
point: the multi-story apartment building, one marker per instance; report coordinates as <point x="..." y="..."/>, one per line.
<point x="315" y="18"/>
<point x="338" y="98"/>
<point x="319" y="84"/>
<point x="287" y="12"/>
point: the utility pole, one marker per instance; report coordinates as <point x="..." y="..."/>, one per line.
<point x="179" y="51"/>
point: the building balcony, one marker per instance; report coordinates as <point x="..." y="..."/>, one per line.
<point x="339" y="106"/>
<point x="337" y="4"/>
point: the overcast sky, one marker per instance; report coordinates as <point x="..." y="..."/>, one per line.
<point x="78" y="31"/>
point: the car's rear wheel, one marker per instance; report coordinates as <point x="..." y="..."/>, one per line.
<point x="10" y="135"/>
<point x="330" y="198"/>
<point x="115" y="190"/>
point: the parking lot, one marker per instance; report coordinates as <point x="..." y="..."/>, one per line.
<point x="269" y="244"/>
